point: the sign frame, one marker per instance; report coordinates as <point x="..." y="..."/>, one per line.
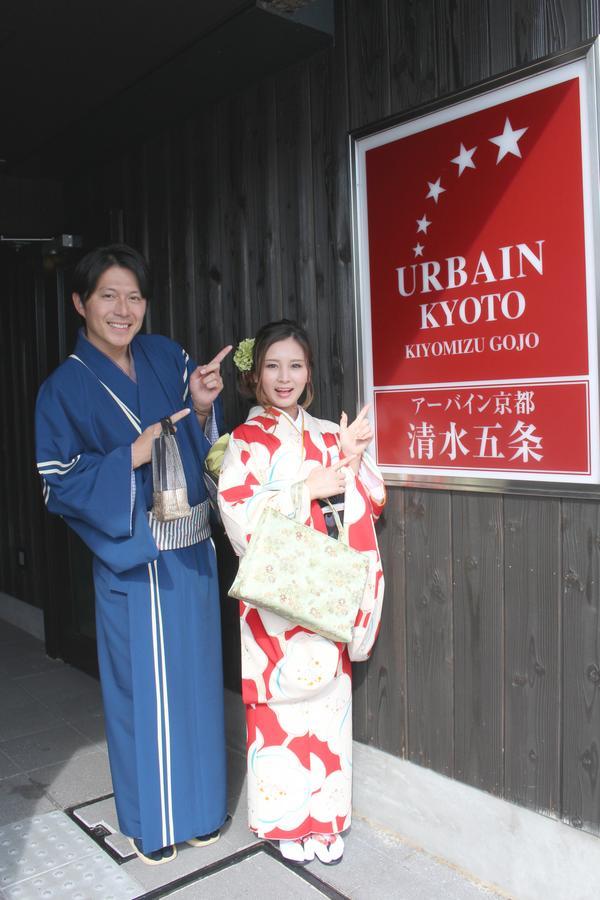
<point x="582" y="62"/>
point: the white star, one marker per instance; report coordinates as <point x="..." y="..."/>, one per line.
<point x="435" y="189"/>
<point x="423" y="225"/>
<point x="418" y="250"/>
<point x="464" y="160"/>
<point x="508" y="141"/>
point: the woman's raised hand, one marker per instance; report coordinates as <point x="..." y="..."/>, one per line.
<point x="141" y="449"/>
<point x="355" y="438"/>
<point x="327" y="481"/>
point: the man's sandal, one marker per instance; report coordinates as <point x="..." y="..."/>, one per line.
<point x="204" y="840"/>
<point x="154" y="857"/>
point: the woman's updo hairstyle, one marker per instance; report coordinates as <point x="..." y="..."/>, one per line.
<point x="249" y="382"/>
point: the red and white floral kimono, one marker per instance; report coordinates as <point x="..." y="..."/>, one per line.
<point x="297" y="685"/>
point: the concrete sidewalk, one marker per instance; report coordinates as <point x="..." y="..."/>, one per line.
<point x="58" y="828"/>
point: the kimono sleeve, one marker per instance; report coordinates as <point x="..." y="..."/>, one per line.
<point x="244" y="491"/>
<point x="94" y="491"/>
<point x="368" y="620"/>
<point x="364" y="501"/>
<point x="372" y="483"/>
<point x="214" y="423"/>
<point x="368" y="477"/>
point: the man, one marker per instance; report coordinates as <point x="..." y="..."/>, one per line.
<point x="157" y="602"/>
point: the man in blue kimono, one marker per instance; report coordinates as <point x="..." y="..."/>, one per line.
<point x="157" y="601"/>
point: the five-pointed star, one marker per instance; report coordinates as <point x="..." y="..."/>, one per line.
<point x="423" y="224"/>
<point x="464" y="160"/>
<point x="435" y="189"/>
<point x="418" y="250"/>
<point x="508" y="141"/>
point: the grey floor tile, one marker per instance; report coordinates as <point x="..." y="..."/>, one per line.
<point x="20" y="798"/>
<point x="411" y="885"/>
<point x="81" y="778"/>
<point x="28" y="716"/>
<point x="26" y="660"/>
<point x="424" y="878"/>
<point x="7" y="767"/>
<point x="12" y="636"/>
<point x="257" y="877"/>
<point x="65" y="679"/>
<point x="88" y="703"/>
<point x="236" y="775"/>
<point x="45" y="748"/>
<point x="92" y="726"/>
<point x="360" y="858"/>
<point x="236" y="833"/>
<point x="403" y="873"/>
<point x="11" y="692"/>
<point x="189" y="859"/>
<point x="191" y="892"/>
<point x="65" y="690"/>
<point x="152" y="877"/>
<point x="10" y="633"/>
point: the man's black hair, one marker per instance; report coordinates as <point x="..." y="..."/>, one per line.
<point x="92" y="266"/>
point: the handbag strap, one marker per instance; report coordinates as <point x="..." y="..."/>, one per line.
<point x="342" y="532"/>
<point x="296" y="494"/>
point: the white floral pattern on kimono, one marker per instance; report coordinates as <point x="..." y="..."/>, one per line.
<point x="296" y="684"/>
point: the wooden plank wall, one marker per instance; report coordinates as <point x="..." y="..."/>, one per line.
<point x="488" y="664"/>
<point x="23" y="364"/>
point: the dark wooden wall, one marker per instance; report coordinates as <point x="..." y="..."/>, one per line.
<point x="488" y="664"/>
<point x="22" y="365"/>
<point x="30" y="207"/>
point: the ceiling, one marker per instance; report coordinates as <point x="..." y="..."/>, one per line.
<point x="81" y="77"/>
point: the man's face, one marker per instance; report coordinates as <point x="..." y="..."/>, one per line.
<point x="114" y="312"/>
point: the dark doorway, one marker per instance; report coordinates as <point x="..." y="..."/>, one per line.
<point x="69" y="612"/>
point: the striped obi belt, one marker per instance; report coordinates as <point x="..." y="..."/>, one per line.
<point x="182" y="532"/>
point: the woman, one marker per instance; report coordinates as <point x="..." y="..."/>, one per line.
<point x="296" y="684"/>
<point x="157" y="603"/>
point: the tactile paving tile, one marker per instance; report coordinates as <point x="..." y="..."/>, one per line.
<point x="50" y="857"/>
<point x="39" y="844"/>
<point x="92" y="877"/>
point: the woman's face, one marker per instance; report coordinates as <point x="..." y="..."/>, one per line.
<point x="114" y="312"/>
<point x="284" y="375"/>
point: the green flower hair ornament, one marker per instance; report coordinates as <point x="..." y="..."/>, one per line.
<point x="243" y="356"/>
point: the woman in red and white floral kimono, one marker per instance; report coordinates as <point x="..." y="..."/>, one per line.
<point x="296" y="684"/>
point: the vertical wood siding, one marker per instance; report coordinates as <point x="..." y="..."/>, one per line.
<point x="488" y="663"/>
<point x="23" y="363"/>
<point x="479" y="642"/>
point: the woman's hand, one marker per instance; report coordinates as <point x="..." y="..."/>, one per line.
<point x="355" y="438"/>
<point x="141" y="449"/>
<point x="327" y="481"/>
<point x="206" y="384"/>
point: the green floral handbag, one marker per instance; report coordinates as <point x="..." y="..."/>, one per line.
<point x="303" y="575"/>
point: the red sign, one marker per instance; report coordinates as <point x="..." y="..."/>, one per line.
<point x="478" y="289"/>
<point x="502" y="427"/>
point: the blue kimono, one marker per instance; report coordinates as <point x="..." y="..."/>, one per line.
<point x="157" y="611"/>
